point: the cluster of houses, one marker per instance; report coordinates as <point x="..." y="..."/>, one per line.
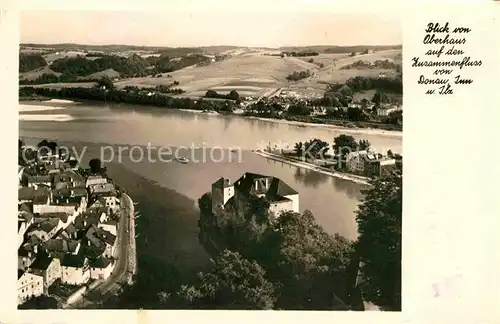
<point x="367" y="163"/>
<point x="67" y="227"/>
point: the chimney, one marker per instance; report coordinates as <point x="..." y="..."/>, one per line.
<point x="35" y="249"/>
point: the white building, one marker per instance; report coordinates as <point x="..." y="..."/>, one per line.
<point x="36" y="181"/>
<point x="95" y="180"/>
<point x="110" y="226"/>
<point x="75" y="269"/>
<point x="28" y="285"/>
<point x="101" y="268"/>
<point x="280" y="195"/>
<point x="48" y="268"/>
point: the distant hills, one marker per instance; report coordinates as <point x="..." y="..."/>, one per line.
<point x="208" y="49"/>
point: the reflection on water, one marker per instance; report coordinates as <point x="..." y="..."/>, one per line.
<point x="310" y="178"/>
<point x="353" y="192"/>
<point x="332" y="205"/>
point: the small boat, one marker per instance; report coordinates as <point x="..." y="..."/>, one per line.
<point x="182" y="160"/>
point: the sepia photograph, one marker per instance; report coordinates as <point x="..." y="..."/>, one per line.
<point x="210" y="159"/>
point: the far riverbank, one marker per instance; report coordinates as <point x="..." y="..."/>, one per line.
<point x="120" y="96"/>
<point x="310" y="166"/>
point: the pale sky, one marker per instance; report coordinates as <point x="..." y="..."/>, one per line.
<point x="204" y="28"/>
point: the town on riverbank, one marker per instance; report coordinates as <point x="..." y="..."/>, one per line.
<point x="315" y="224"/>
<point x="75" y="230"/>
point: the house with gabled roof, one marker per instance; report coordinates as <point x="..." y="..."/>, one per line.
<point x="70" y="177"/>
<point x="34" y="181"/>
<point x="60" y="246"/>
<point x="74" y="208"/>
<point x="99" y="242"/>
<point x="110" y="226"/>
<point x="93" y="180"/>
<point x="101" y="268"/>
<point x="49" y="268"/>
<point x="29" y="285"/>
<point x="109" y="239"/>
<point x="26" y="254"/>
<point x="109" y="201"/>
<point x="24" y="220"/>
<point x="45" y="229"/>
<point x="37" y="197"/>
<point x="75" y="269"/>
<point x="281" y="196"/>
<point x="103" y="189"/>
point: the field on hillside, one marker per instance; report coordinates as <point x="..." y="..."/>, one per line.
<point x="60" y="55"/>
<point x="250" y="72"/>
<point x="110" y="73"/>
<point x="253" y="74"/>
<point x="34" y="74"/>
<point x="63" y="85"/>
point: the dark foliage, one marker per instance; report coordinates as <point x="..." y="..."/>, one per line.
<point x="29" y="62"/>
<point x="379" y="244"/>
<point x="127" y="96"/>
<point x="296" y="76"/>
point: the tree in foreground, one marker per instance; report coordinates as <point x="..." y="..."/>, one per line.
<point x="308" y="264"/>
<point x="379" y="244"/>
<point x="232" y="283"/>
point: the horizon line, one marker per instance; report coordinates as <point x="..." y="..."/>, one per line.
<point x="198" y="46"/>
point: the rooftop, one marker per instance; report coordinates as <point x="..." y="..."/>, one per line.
<point x="39" y="195"/>
<point x="45" y="225"/>
<point x="273" y="188"/>
<point x="100" y="262"/>
<point x="223" y="182"/>
<point x="61" y="245"/>
<point x="42" y="262"/>
<point x="39" y="179"/>
<point x="103" y="188"/>
<point x="63" y="216"/>
<point x="72" y="260"/>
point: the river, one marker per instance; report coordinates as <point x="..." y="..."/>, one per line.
<point x="332" y="201"/>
